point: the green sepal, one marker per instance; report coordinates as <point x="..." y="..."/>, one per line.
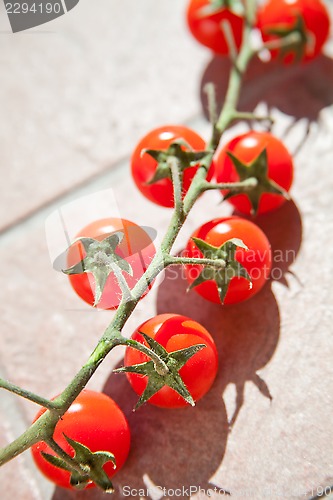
<point x="214" y="6"/>
<point x="93" y="462"/>
<point x="155" y="346"/>
<point x="224" y="274"/>
<point x="77" y="480"/>
<point x="100" y="261"/>
<point x="185" y="159"/>
<point x="174" y="361"/>
<point x="92" y="466"/>
<point x="298" y="47"/>
<point x="257" y="169"/>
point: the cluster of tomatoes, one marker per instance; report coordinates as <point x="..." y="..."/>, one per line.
<point x="94" y="419"/>
<point x="275" y="19"/>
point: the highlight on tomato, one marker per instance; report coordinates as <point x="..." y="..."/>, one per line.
<point x="254" y="262"/>
<point x="135" y="247"/>
<point x="159" y="188"/>
<point x="309" y="18"/>
<point x="205" y="20"/>
<point x="93" y="420"/>
<point x="175" y="332"/>
<point x="260" y="155"/>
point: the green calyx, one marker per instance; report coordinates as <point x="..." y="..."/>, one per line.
<point x="302" y="42"/>
<point x="90" y="463"/>
<point x="100" y="260"/>
<point x="221" y="274"/>
<point x="214" y="6"/>
<point x="158" y="378"/>
<point x="257" y="169"/>
<point x="174" y="154"/>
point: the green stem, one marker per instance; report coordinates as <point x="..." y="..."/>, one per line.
<point x="230" y="39"/>
<point x="40" y="430"/>
<point x="218" y="263"/>
<point x="282" y="43"/>
<point x="246" y="185"/>
<point x="209" y="90"/>
<point x="177" y="181"/>
<point x="229" y="109"/>
<point x="238" y="71"/>
<point x="126" y="292"/>
<point x="243" y="115"/>
<point x="4" y="384"/>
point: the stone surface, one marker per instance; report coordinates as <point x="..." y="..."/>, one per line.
<point x="68" y="144"/>
<point x="74" y="94"/>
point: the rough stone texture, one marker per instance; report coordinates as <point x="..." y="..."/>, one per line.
<point x="93" y="101"/>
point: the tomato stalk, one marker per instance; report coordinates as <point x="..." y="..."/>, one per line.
<point x="43" y="428"/>
<point x="291" y="40"/>
<point x="177" y="181"/>
<point x="126" y="292"/>
<point x="35" y="398"/>
<point x="246" y="185"/>
<point x="243" y="115"/>
<point x="218" y="263"/>
<point x="227" y="30"/>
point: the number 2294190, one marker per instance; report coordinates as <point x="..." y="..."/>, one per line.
<point x="36" y="8"/>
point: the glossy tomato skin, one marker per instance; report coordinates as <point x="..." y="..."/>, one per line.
<point x="136" y="247"/>
<point x="284" y="13"/>
<point x="257" y="260"/>
<point x="176" y="332"/>
<point x="207" y="28"/>
<point x="97" y="422"/>
<point x="246" y="148"/>
<point x="144" y="166"/>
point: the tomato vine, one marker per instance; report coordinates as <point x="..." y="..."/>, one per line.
<point x="175" y="161"/>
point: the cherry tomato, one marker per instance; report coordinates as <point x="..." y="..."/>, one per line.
<point x="176" y="332"/>
<point x="207" y="28"/>
<point x="256" y="260"/>
<point x="246" y="148"/>
<point x="285" y="14"/>
<point x="136" y="248"/>
<point x="93" y="420"/>
<point x="144" y="166"/>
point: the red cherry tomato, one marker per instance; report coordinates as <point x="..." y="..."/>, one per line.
<point x="257" y="260"/>
<point x="176" y="332"/>
<point x="246" y="148"/>
<point x="136" y="247"/>
<point x="285" y="13"/>
<point x="207" y="28"/>
<point x="97" y="422"/>
<point x="144" y="166"/>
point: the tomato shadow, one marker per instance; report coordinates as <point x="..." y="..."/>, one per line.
<point x="300" y="91"/>
<point x="246" y="334"/>
<point x="169" y="448"/>
<point x="283" y="228"/>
